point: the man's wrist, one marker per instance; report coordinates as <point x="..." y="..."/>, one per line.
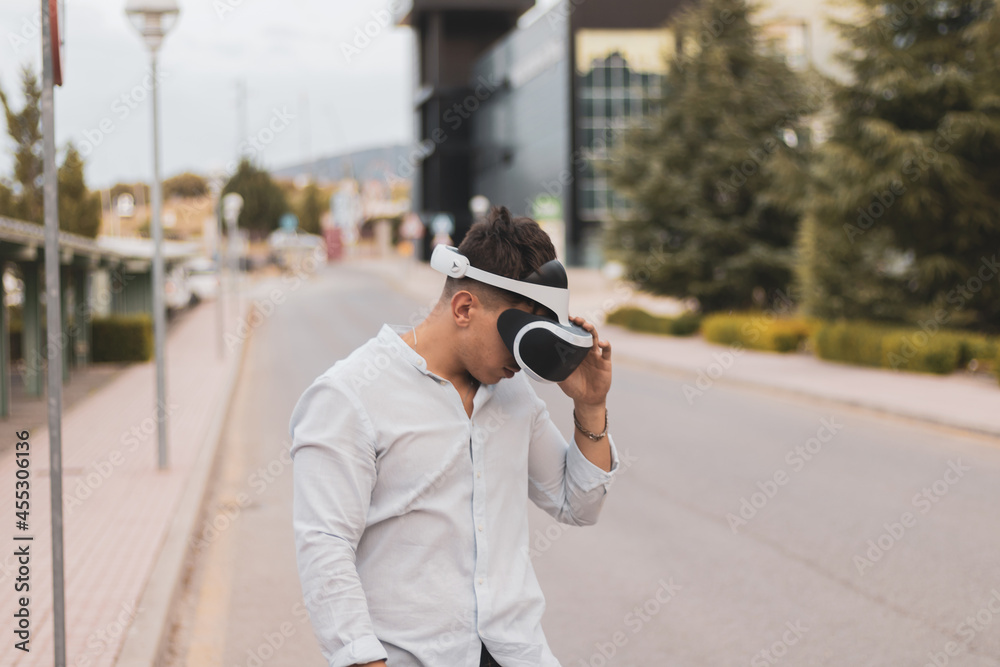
<point x="592" y="417"/>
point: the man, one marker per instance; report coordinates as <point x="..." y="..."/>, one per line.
<point x="413" y="459"/>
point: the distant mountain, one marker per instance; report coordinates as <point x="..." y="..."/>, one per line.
<point x="371" y="163"/>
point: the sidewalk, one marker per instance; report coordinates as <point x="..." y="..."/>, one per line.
<point x="960" y="400"/>
<point x="121" y="514"/>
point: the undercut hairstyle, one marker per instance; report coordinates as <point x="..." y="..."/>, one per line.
<point x="504" y="245"/>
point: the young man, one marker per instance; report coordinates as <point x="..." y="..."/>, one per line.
<point x="413" y="460"/>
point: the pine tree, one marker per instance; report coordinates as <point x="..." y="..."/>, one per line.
<point x="263" y="201"/>
<point x="7" y="201"/>
<point x="903" y="222"/>
<point x="25" y="128"/>
<point x="79" y="209"/>
<point x="312" y="209"/>
<point x="714" y="176"/>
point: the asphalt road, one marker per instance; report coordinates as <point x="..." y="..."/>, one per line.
<point x="746" y="529"/>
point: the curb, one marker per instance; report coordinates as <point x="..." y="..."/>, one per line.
<point x="148" y="633"/>
<point x="787" y="392"/>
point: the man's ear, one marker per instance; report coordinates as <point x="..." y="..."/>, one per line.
<point x="462" y="303"/>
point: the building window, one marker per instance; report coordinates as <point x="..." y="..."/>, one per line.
<point x="613" y="96"/>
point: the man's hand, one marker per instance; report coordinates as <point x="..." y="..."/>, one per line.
<point x="377" y="663"/>
<point x="589" y="384"/>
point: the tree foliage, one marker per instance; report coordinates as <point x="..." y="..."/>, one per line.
<point x="311" y="209"/>
<point x="25" y="128"/>
<point x="903" y="221"/>
<point x="185" y="186"/>
<point x="713" y="176"/>
<point x="263" y="201"/>
<point x="79" y="209"/>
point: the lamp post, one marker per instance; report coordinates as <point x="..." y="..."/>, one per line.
<point x="232" y="204"/>
<point x="153" y="18"/>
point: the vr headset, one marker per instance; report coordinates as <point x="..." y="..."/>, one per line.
<point x="547" y="347"/>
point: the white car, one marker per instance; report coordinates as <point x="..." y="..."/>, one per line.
<point x="203" y="278"/>
<point x="177" y="294"/>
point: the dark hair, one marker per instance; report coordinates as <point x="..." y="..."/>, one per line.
<point x="504" y="245"/>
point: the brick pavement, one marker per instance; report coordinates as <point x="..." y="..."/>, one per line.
<point x="118" y="506"/>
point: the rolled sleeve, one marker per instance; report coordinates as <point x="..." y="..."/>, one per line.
<point x="584" y="474"/>
<point x="563" y="482"/>
<point x="333" y="456"/>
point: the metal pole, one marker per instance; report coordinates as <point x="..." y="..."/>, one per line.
<point x="53" y="312"/>
<point x="159" y="314"/>
<point x="219" y="306"/>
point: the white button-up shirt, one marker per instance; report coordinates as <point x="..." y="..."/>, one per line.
<point x="410" y="517"/>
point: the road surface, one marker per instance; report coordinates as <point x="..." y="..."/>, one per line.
<point x="744" y="528"/>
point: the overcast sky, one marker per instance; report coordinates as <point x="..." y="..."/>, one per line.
<point x="289" y="52"/>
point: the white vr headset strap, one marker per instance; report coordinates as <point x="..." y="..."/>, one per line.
<point x="450" y="262"/>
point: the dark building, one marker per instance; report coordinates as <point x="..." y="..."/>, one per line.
<point x="524" y="115"/>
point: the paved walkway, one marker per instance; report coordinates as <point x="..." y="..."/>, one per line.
<point x="961" y="400"/>
<point x="118" y="506"/>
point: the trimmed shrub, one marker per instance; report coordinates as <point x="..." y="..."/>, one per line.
<point x="758" y="331"/>
<point x="917" y="351"/>
<point x="638" y="319"/>
<point x="854" y="342"/>
<point x="983" y="349"/>
<point x="122" y="338"/>
<point x="903" y="348"/>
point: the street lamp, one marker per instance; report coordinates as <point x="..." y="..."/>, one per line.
<point x="232" y="204"/>
<point x="153" y="18"/>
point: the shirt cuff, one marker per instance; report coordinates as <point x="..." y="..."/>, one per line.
<point x="358" y="652"/>
<point x="587" y="475"/>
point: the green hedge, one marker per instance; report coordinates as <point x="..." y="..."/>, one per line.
<point x="122" y="338"/>
<point x="638" y="319"/>
<point x="758" y="331"/>
<point x="870" y="344"/>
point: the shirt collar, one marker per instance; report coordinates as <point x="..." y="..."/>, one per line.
<point x="390" y="334"/>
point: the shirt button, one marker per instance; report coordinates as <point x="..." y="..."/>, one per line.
<point x="480" y="528"/>
<point x="480" y="581"/>
<point x="478" y="474"/>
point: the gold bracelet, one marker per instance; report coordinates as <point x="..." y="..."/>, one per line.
<point x="593" y="436"/>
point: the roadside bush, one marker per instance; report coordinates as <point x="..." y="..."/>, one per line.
<point x="869" y="344"/>
<point x="916" y="351"/>
<point x="122" y="338"/>
<point x="758" y="331"/>
<point x="855" y="342"/>
<point x="638" y="319"/>
<point x="982" y="349"/>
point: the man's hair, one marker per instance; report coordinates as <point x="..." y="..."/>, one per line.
<point x="504" y="245"/>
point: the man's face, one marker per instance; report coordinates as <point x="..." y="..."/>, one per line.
<point x="486" y="357"/>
